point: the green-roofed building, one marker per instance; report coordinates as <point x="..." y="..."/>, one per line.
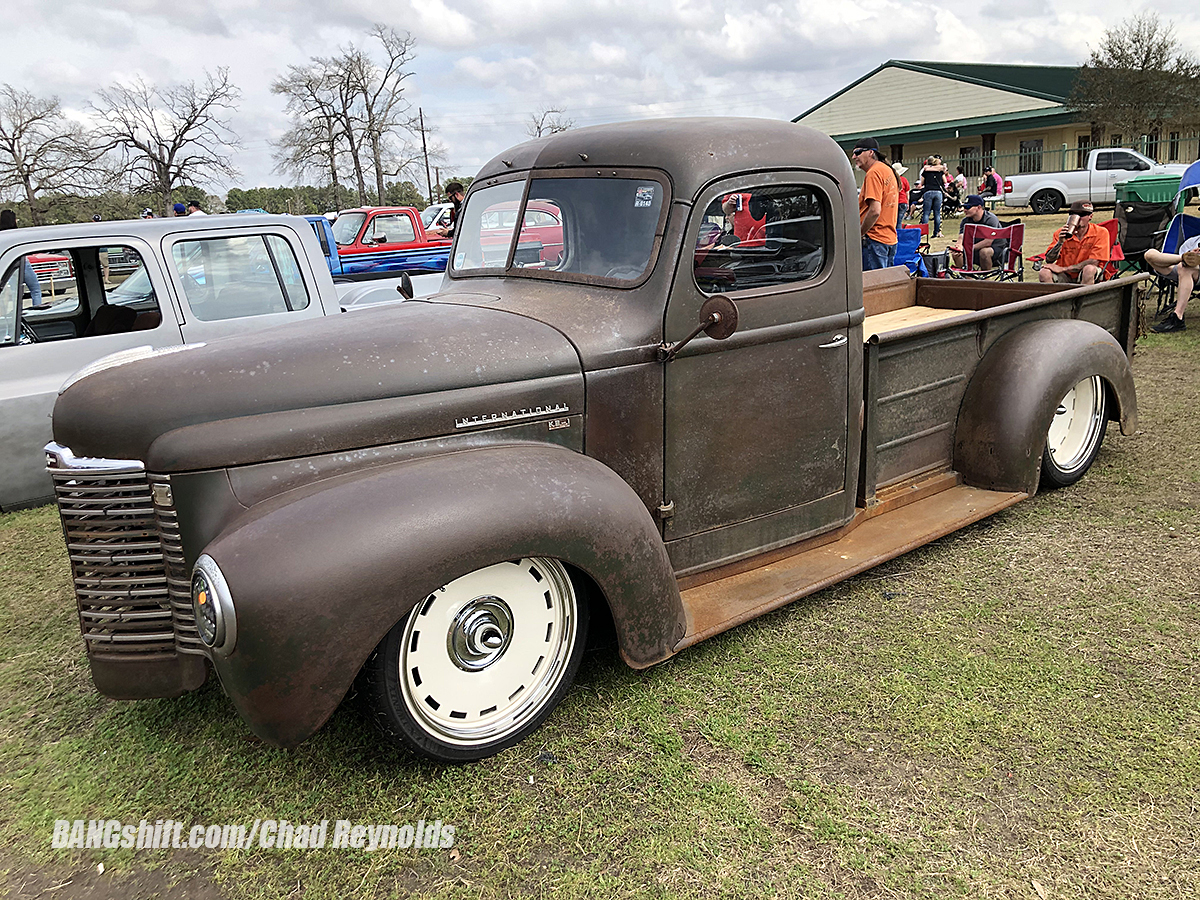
<point x="971" y="113"/>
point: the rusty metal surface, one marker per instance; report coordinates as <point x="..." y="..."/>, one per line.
<point x="1012" y="397"/>
<point x="356" y="377"/>
<point x="316" y="589"/>
<point x="721" y="605"/>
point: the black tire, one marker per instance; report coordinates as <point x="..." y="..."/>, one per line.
<point x="1075" y="433"/>
<point x="509" y="635"/>
<point x="1046" y="202"/>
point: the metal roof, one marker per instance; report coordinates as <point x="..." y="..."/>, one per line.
<point x="1052" y="83"/>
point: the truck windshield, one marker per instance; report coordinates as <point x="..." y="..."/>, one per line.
<point x="345" y="229"/>
<point x="590" y="227"/>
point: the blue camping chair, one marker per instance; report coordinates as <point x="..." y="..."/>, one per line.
<point x="908" y="240"/>
<point x="1182" y="228"/>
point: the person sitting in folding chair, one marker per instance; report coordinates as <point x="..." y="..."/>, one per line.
<point x="1183" y="267"/>
<point x="1080" y="249"/>
<point x="987" y="253"/>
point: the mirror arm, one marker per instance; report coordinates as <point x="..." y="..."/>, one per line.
<point x="666" y="352"/>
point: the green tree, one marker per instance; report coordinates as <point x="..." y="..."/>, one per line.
<point x="404" y="193"/>
<point x="1138" y="79"/>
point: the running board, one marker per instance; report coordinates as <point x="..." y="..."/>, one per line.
<point x="728" y="602"/>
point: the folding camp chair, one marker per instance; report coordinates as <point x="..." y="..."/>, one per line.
<point x="1181" y="229"/>
<point x="1140" y="226"/>
<point x="1116" y="256"/>
<point x="908" y="245"/>
<point x="1011" y="266"/>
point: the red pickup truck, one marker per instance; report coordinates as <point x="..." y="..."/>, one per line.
<point x="387" y="239"/>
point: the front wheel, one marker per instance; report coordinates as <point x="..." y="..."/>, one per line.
<point x="1046" y="203"/>
<point x="481" y="662"/>
<point x="1075" y="434"/>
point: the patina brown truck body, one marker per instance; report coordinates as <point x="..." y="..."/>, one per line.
<point x="339" y="473"/>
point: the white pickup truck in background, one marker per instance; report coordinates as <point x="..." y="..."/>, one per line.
<point x="1047" y="192"/>
<point x="143" y="286"/>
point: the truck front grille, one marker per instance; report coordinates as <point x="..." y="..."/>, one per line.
<point x="131" y="581"/>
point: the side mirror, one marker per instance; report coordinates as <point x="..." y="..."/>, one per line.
<point x="718" y="319"/>
<point x="405" y="287"/>
<point x="380" y="239"/>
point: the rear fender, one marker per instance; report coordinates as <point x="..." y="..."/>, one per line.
<point x="318" y="575"/>
<point x="1011" y="400"/>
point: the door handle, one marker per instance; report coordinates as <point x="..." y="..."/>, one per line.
<point x="838" y="341"/>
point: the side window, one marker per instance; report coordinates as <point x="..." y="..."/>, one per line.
<point x="10" y="288"/>
<point x="761" y="237"/>
<point x="86" y="291"/>
<point x="1125" y="161"/>
<point x="1103" y="162"/>
<point x="235" y="277"/>
<point x="393" y="229"/>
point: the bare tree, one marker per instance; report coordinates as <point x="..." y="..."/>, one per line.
<point x="167" y="137"/>
<point x="1139" y="78"/>
<point x="548" y="120"/>
<point x="315" y="139"/>
<point x="350" y="110"/>
<point x="40" y="149"/>
<point x="380" y="96"/>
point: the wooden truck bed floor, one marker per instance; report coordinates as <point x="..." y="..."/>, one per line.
<point x="903" y="318"/>
<point x="868" y="540"/>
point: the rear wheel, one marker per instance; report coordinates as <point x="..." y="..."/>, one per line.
<point x="481" y="662"/>
<point x="1075" y="434"/>
<point x="1046" y="202"/>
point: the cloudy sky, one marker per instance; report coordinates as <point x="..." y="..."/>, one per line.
<point x="483" y="66"/>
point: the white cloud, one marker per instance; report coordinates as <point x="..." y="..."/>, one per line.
<point x="483" y="65"/>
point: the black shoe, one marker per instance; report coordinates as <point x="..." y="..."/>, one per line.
<point x="1170" y="323"/>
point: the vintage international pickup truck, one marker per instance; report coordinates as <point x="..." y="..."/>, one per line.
<point x="665" y="427"/>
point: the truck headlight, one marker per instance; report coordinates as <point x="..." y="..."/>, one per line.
<point x="212" y="604"/>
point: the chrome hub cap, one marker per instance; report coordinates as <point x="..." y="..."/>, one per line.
<point x="481" y="632"/>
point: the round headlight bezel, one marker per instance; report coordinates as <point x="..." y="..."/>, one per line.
<point x="217" y="609"/>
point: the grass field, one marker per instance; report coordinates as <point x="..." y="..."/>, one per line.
<point x="1011" y="712"/>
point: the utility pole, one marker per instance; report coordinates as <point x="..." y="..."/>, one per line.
<point x="437" y="171"/>
<point x="425" y="151"/>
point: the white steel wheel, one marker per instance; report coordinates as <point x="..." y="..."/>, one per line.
<point x="482" y="661"/>
<point x="1075" y="434"/>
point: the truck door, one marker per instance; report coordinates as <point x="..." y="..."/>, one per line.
<point x="1113" y="166"/>
<point x="236" y="282"/>
<point x="757" y="426"/>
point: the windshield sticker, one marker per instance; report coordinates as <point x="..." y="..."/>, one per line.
<point x="458" y="259"/>
<point x="644" y="198"/>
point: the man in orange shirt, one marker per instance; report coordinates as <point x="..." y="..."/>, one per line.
<point x="877" y="205"/>
<point x="1083" y="251"/>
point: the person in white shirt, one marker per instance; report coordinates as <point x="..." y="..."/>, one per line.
<point x="1184" y="267"/>
<point x="193" y="209"/>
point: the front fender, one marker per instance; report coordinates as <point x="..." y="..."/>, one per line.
<point x="1010" y="402"/>
<point x="320" y="574"/>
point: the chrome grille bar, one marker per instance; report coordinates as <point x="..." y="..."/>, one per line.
<point x="131" y="579"/>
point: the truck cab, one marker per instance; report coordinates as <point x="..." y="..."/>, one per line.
<point x="387" y="239"/>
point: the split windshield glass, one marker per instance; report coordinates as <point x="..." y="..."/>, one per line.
<point x="581" y="228"/>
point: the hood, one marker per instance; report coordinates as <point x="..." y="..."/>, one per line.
<point x="359" y="379"/>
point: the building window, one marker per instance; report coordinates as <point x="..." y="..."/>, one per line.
<point x="969" y="157"/>
<point x="1031" y="156"/>
<point x="897" y="152"/>
<point x="1083" y="145"/>
<point x="1152" y="143"/>
<point x="1173" y="147"/>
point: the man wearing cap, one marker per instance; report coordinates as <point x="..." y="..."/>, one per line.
<point x="903" y="187"/>
<point x="179" y="209"/>
<point x="193" y="209"/>
<point x="985" y="252"/>
<point x="877" y="203"/>
<point x="992" y="185"/>
<point x="1082" y="251"/>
